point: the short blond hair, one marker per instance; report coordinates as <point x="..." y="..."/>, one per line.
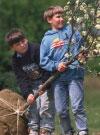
<point x="51" y="11"/>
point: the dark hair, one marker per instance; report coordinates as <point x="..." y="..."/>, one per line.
<point x="52" y="10"/>
<point x="15" y="35"/>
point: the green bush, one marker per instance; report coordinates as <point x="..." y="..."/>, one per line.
<point x="7" y="80"/>
<point x="93" y="64"/>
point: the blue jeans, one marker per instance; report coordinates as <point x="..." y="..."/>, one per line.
<point x="47" y="111"/>
<point x="41" y="113"/>
<point x="73" y="91"/>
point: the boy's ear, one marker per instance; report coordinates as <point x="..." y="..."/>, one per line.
<point x="12" y="48"/>
<point x="49" y="20"/>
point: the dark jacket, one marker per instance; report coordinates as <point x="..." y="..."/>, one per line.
<point x="22" y="67"/>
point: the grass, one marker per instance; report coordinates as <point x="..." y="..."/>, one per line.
<point x="92" y="100"/>
<point x="92" y="105"/>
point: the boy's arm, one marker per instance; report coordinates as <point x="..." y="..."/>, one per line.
<point x="45" y="61"/>
<point x="76" y="36"/>
<point x="36" y="53"/>
<point x="79" y="39"/>
<point x="22" y="80"/>
<point x="80" y="42"/>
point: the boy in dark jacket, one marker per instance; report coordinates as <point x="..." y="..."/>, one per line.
<point x="25" y="64"/>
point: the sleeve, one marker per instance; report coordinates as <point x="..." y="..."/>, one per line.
<point x="79" y="40"/>
<point x="37" y="54"/>
<point x="77" y="35"/>
<point x="22" y="80"/>
<point x="46" y="61"/>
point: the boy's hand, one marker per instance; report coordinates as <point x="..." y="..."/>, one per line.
<point x="30" y="99"/>
<point x="61" y="67"/>
<point x="82" y="58"/>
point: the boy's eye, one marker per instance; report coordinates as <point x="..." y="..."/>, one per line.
<point x="60" y="16"/>
<point x="20" y="42"/>
<point x="17" y="44"/>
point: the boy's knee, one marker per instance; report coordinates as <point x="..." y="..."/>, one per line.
<point x="78" y="111"/>
<point x="62" y="114"/>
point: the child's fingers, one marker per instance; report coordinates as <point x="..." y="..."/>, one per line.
<point x="61" y="67"/>
<point x="30" y="98"/>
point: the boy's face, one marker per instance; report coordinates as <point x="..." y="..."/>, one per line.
<point x="57" y="21"/>
<point x="20" y="47"/>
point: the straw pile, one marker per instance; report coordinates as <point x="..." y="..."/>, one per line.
<point x="11" y="122"/>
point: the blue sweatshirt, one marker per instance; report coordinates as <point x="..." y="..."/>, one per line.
<point x="50" y="57"/>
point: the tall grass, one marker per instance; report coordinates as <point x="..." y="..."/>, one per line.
<point x="92" y="105"/>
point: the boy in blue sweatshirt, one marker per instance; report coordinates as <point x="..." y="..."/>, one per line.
<point x="69" y="85"/>
<point x="25" y="64"/>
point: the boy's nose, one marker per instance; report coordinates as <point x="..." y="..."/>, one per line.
<point x="61" y="18"/>
<point x="21" y="44"/>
